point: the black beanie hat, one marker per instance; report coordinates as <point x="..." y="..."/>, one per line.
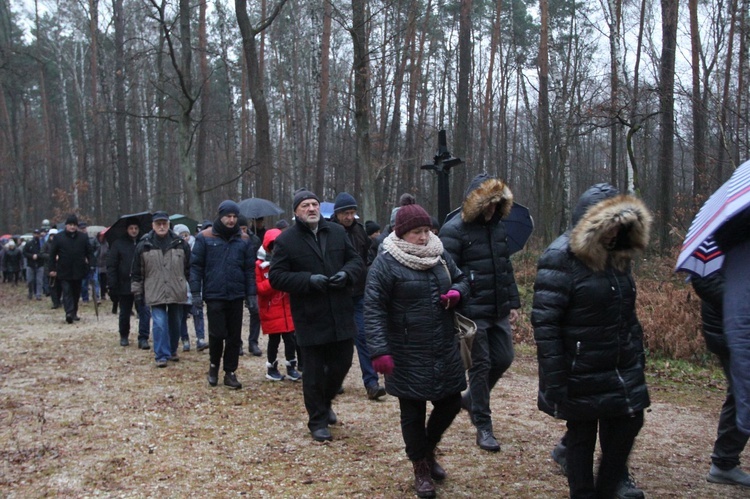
<point x="241" y="220"/>
<point x="228" y="207"/>
<point x="344" y="201"/>
<point x="410" y="217"/>
<point x="302" y="194"/>
<point x="371" y="227"/>
<point x="71" y="220"/>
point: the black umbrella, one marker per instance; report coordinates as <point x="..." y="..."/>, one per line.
<point x="120" y="227"/>
<point x="518" y="226"/>
<point x="259" y="208"/>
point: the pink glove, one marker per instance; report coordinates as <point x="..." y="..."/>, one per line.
<point x="450" y="299"/>
<point x="383" y="364"/>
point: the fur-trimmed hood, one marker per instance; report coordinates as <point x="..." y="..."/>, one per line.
<point x="482" y="191"/>
<point x="625" y="212"/>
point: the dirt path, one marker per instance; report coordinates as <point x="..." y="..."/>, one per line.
<point x="82" y="416"/>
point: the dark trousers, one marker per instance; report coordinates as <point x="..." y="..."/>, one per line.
<point x="730" y="441"/>
<point x="254" y="329"/>
<point x="326" y="367"/>
<point x="55" y="292"/>
<point x="224" y="332"/>
<point x="71" y="293"/>
<point x="491" y="355"/>
<point x="421" y="440"/>
<point x="616" y="438"/>
<point x="290" y="346"/>
<point x="126" y="303"/>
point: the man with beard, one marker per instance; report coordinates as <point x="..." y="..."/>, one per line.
<point x="69" y="259"/>
<point x="223" y="270"/>
<point x="315" y="263"/>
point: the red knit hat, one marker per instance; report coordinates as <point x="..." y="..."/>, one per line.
<point x="411" y="216"/>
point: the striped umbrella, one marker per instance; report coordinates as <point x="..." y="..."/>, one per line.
<point x="700" y="254"/>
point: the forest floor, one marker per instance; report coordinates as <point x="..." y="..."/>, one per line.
<point x="81" y="416"/>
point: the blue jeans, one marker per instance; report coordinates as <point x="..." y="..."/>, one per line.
<point x="369" y="376"/>
<point x="491" y="355"/>
<point x="197" y="313"/>
<point x="35" y="278"/>
<point x="166" y="329"/>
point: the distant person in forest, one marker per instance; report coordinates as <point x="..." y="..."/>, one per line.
<point x="70" y="257"/>
<point x="53" y="285"/>
<point x="34" y="265"/>
<point x="189" y="309"/>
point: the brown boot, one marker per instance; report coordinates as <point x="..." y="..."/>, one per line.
<point x="422" y="480"/>
<point x="436" y="471"/>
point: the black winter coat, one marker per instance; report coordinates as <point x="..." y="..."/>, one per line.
<point x="70" y="255"/>
<point x="31" y="248"/>
<point x="480" y="249"/>
<point x="361" y="242"/>
<point x="119" y="263"/>
<point x="404" y="319"/>
<point x="710" y="289"/>
<point x="298" y="253"/>
<point x="222" y="269"/>
<point x="589" y="340"/>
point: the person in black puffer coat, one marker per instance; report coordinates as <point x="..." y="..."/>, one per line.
<point x="69" y="260"/>
<point x="476" y="239"/>
<point x="411" y="291"/>
<point x="589" y="340"/>
<point x="730" y="441"/>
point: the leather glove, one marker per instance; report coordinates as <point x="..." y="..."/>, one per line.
<point x="318" y="282"/>
<point x="450" y="299"/>
<point x="197" y="301"/>
<point x="338" y="280"/>
<point x="383" y="364"/>
<point x="251" y="302"/>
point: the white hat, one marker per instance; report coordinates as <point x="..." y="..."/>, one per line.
<point x="52" y="232"/>
<point x="180" y="228"/>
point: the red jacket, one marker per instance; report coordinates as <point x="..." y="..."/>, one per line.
<point x="275" y="311"/>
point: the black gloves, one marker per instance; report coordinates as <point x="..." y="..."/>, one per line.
<point x="338" y="280"/>
<point x="251" y="302"/>
<point x="318" y="282"/>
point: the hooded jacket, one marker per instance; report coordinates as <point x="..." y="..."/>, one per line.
<point x="273" y="305"/>
<point x="589" y="340"/>
<point x="480" y="250"/>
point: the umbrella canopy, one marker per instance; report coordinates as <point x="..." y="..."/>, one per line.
<point x="728" y="200"/>
<point x="120" y="227"/>
<point x="191" y="224"/>
<point x="518" y="226"/>
<point x="326" y="209"/>
<point x="93" y="230"/>
<point x="259" y="208"/>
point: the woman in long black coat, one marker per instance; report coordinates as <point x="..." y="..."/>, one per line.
<point x="589" y="340"/>
<point x="411" y="290"/>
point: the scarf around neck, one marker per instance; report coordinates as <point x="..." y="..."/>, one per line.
<point x="414" y="256"/>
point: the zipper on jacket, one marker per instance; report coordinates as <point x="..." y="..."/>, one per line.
<point x="406" y="332"/>
<point x="575" y="357"/>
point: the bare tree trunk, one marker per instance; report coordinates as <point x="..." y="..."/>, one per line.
<point x="723" y="120"/>
<point x="484" y="126"/>
<point x="263" y="155"/>
<point x="361" y="70"/>
<point x="699" y="113"/>
<point x="543" y="174"/>
<point x="122" y="184"/>
<point x="461" y="137"/>
<point x="669" y="9"/>
<point x="325" y="76"/>
<point x="201" y="147"/>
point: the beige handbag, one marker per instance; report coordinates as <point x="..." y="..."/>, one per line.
<point x="465" y="330"/>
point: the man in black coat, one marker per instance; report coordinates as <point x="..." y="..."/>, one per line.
<point x="315" y="263"/>
<point x="344" y="213"/>
<point x="69" y="263"/>
<point x="119" y="263"/>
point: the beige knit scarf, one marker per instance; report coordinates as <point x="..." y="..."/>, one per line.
<point x="414" y="256"/>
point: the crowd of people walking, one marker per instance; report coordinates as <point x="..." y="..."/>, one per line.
<point x="325" y="288"/>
